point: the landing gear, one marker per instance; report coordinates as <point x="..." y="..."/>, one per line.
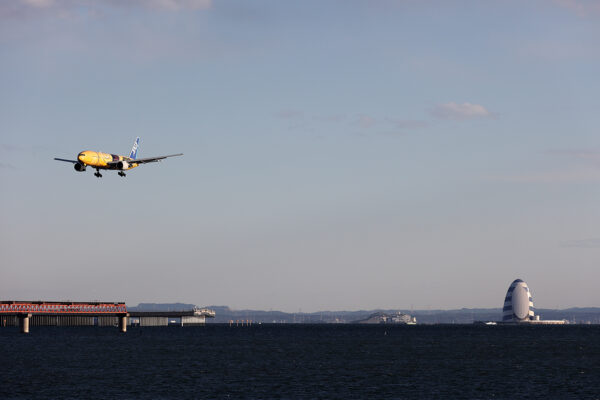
<point x="123" y="174"/>
<point x="97" y="174"/>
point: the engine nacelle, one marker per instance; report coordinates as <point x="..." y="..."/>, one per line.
<point x="122" y="165"/>
<point x="79" y="167"/>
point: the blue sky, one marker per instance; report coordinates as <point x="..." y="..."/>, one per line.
<point x="338" y="154"/>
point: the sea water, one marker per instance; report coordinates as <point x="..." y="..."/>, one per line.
<point x="302" y="361"/>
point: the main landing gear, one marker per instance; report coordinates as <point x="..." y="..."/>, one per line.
<point x="97" y="174"/>
<point x="123" y="174"/>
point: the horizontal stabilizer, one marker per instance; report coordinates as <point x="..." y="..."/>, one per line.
<point x="62" y="159"/>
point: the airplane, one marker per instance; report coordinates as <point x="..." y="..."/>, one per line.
<point x="98" y="160"/>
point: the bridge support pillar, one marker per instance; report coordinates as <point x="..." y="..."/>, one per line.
<point x="24" y="322"/>
<point x="123" y="323"/>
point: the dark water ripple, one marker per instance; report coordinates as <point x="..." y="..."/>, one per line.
<point x="302" y="361"/>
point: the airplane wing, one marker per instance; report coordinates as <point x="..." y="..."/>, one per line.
<point x="62" y="159"/>
<point x="153" y="159"/>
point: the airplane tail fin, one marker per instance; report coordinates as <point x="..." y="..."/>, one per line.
<point x="134" y="149"/>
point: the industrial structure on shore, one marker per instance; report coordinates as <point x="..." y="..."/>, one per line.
<point x="518" y="306"/>
<point x="383" y="318"/>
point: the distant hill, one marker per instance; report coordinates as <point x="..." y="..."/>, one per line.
<point x="224" y="314"/>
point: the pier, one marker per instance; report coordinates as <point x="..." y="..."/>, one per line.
<point x="196" y="316"/>
<point x="67" y="313"/>
<point x="62" y="313"/>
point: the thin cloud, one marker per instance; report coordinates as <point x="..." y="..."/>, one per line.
<point x="295" y="120"/>
<point x="33" y="149"/>
<point x="463" y="111"/>
<point x="552" y="49"/>
<point x="582" y="8"/>
<point x="366" y="121"/>
<point x="7" y="166"/>
<point x="591" y="243"/>
<point x="70" y="8"/>
<point x="582" y="175"/>
<point x="574" y="153"/>
<point x="289" y="114"/>
<point x="38" y="3"/>
<point x="579" y="166"/>
<point x="582" y="157"/>
<point x="10" y="148"/>
<point x="407" y="123"/>
<point x="173" y="5"/>
<point x="329" y="118"/>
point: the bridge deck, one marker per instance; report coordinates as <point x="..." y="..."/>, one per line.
<point x="173" y="314"/>
<point x="168" y="314"/>
<point x="62" y="307"/>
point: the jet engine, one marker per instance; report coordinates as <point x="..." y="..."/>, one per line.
<point x="122" y="165"/>
<point x="79" y="167"/>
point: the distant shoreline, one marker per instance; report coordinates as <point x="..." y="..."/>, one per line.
<point x="224" y="314"/>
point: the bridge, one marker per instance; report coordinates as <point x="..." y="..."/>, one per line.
<point x="63" y="313"/>
<point x="196" y="316"/>
<point x="70" y="313"/>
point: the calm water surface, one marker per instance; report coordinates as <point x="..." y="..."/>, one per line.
<point x="302" y="361"/>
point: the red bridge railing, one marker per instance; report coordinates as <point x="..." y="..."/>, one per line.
<point x="62" y="308"/>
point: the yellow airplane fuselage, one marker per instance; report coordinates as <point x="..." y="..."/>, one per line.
<point x="97" y="159"/>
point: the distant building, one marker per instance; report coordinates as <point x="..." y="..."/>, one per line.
<point x="401" y="318"/>
<point x="518" y="306"/>
<point x="383" y="318"/>
<point x="518" y="303"/>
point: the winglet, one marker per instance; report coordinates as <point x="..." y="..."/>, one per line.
<point x="134" y="149"/>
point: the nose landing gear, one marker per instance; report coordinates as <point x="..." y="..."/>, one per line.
<point x="123" y="174"/>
